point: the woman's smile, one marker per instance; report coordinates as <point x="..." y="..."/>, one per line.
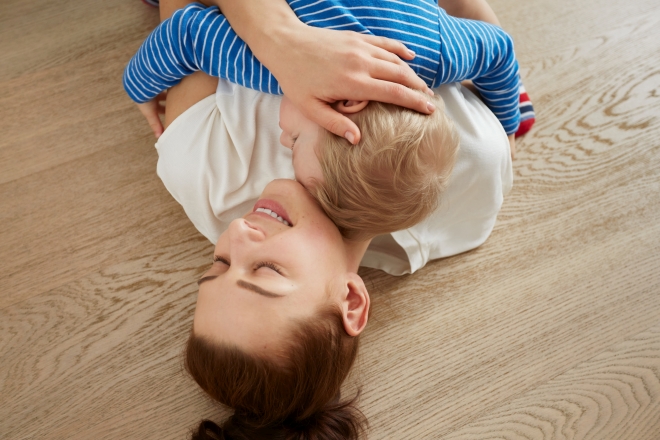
<point x="273" y="210"/>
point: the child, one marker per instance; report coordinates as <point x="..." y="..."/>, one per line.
<point x="373" y="184"/>
<point x="390" y="181"/>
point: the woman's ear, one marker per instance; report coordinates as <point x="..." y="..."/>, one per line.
<point x="355" y="305"/>
<point x="349" y="106"/>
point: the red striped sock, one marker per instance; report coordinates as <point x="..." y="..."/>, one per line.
<point x="527" y="116"/>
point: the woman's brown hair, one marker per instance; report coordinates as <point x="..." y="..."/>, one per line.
<point x="294" y="399"/>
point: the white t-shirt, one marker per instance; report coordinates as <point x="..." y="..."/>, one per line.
<point x="216" y="158"/>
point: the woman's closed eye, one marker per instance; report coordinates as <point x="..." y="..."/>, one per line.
<point x="272" y="266"/>
<point x="269" y="265"/>
<point x="218" y="258"/>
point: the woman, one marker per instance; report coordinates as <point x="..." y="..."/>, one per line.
<point x="289" y="295"/>
<point x="281" y="309"/>
<point x="277" y="321"/>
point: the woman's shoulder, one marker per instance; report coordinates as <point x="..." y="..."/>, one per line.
<point x="214" y="161"/>
<point x="469" y="206"/>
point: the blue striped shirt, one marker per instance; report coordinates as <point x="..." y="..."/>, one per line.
<point x="448" y="49"/>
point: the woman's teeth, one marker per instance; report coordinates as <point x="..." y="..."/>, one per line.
<point x="272" y="214"/>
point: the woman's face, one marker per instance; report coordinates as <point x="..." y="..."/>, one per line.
<point x="270" y="270"/>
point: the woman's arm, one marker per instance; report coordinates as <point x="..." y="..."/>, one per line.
<point x="316" y="67"/>
<point x="182" y="96"/>
<point x="471" y="9"/>
<point x="199" y="38"/>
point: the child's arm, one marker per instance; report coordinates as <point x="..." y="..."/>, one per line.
<point x="200" y="38"/>
<point x="194" y="38"/>
<point x="484" y="54"/>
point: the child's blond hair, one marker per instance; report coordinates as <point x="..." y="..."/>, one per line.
<point x="392" y="179"/>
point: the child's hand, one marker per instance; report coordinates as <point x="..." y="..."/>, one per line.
<point x="512" y="144"/>
<point x="151" y="110"/>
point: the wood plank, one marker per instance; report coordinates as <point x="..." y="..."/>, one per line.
<point x="77" y="186"/>
<point x="531" y="334"/>
<point x="102" y="348"/>
<point x="542" y="29"/>
<point x="461" y="337"/>
<point x="70" y="220"/>
<point x="578" y="233"/>
<point x="57" y="33"/>
<point x="65" y="113"/>
<point x="616" y="394"/>
<point x="119" y="333"/>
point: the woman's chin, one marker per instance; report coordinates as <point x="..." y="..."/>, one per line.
<point x="295" y="200"/>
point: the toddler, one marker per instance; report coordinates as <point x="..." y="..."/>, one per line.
<point x="392" y="178"/>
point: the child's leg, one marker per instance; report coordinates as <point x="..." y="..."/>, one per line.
<point x="481" y="10"/>
<point x="527" y="116"/>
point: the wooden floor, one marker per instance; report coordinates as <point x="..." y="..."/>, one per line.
<point x="551" y="330"/>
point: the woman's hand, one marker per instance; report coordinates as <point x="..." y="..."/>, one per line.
<point x="325" y="66"/>
<point x="152" y="111"/>
<point x="317" y="67"/>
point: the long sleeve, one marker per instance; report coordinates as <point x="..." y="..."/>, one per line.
<point x="482" y="53"/>
<point x="448" y="49"/>
<point x="194" y="38"/>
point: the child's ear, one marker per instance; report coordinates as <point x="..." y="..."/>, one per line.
<point x="349" y="106"/>
<point x="355" y="305"/>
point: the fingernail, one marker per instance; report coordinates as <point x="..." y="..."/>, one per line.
<point x="429" y="92"/>
<point x="411" y="53"/>
<point x="430" y="107"/>
<point x="348" y="135"/>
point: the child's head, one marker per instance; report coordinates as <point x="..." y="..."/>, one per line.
<point x="391" y="180"/>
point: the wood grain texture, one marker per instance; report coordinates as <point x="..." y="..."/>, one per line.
<point x="77" y="183"/>
<point x="104" y="349"/>
<point x="549" y="330"/>
<point x="616" y="394"/>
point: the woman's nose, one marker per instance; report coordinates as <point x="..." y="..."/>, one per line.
<point x="242" y="232"/>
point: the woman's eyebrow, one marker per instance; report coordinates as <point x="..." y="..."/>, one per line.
<point x="245" y="285"/>
<point x="206" y="278"/>
<point x="257" y="289"/>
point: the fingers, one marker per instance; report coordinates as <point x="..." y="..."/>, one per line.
<point x="155" y="124"/>
<point x="387" y="66"/>
<point x="150" y="111"/>
<point x="398" y="73"/>
<point x="392" y="46"/>
<point x="397" y="94"/>
<point x="335" y="122"/>
<point x="393" y="68"/>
